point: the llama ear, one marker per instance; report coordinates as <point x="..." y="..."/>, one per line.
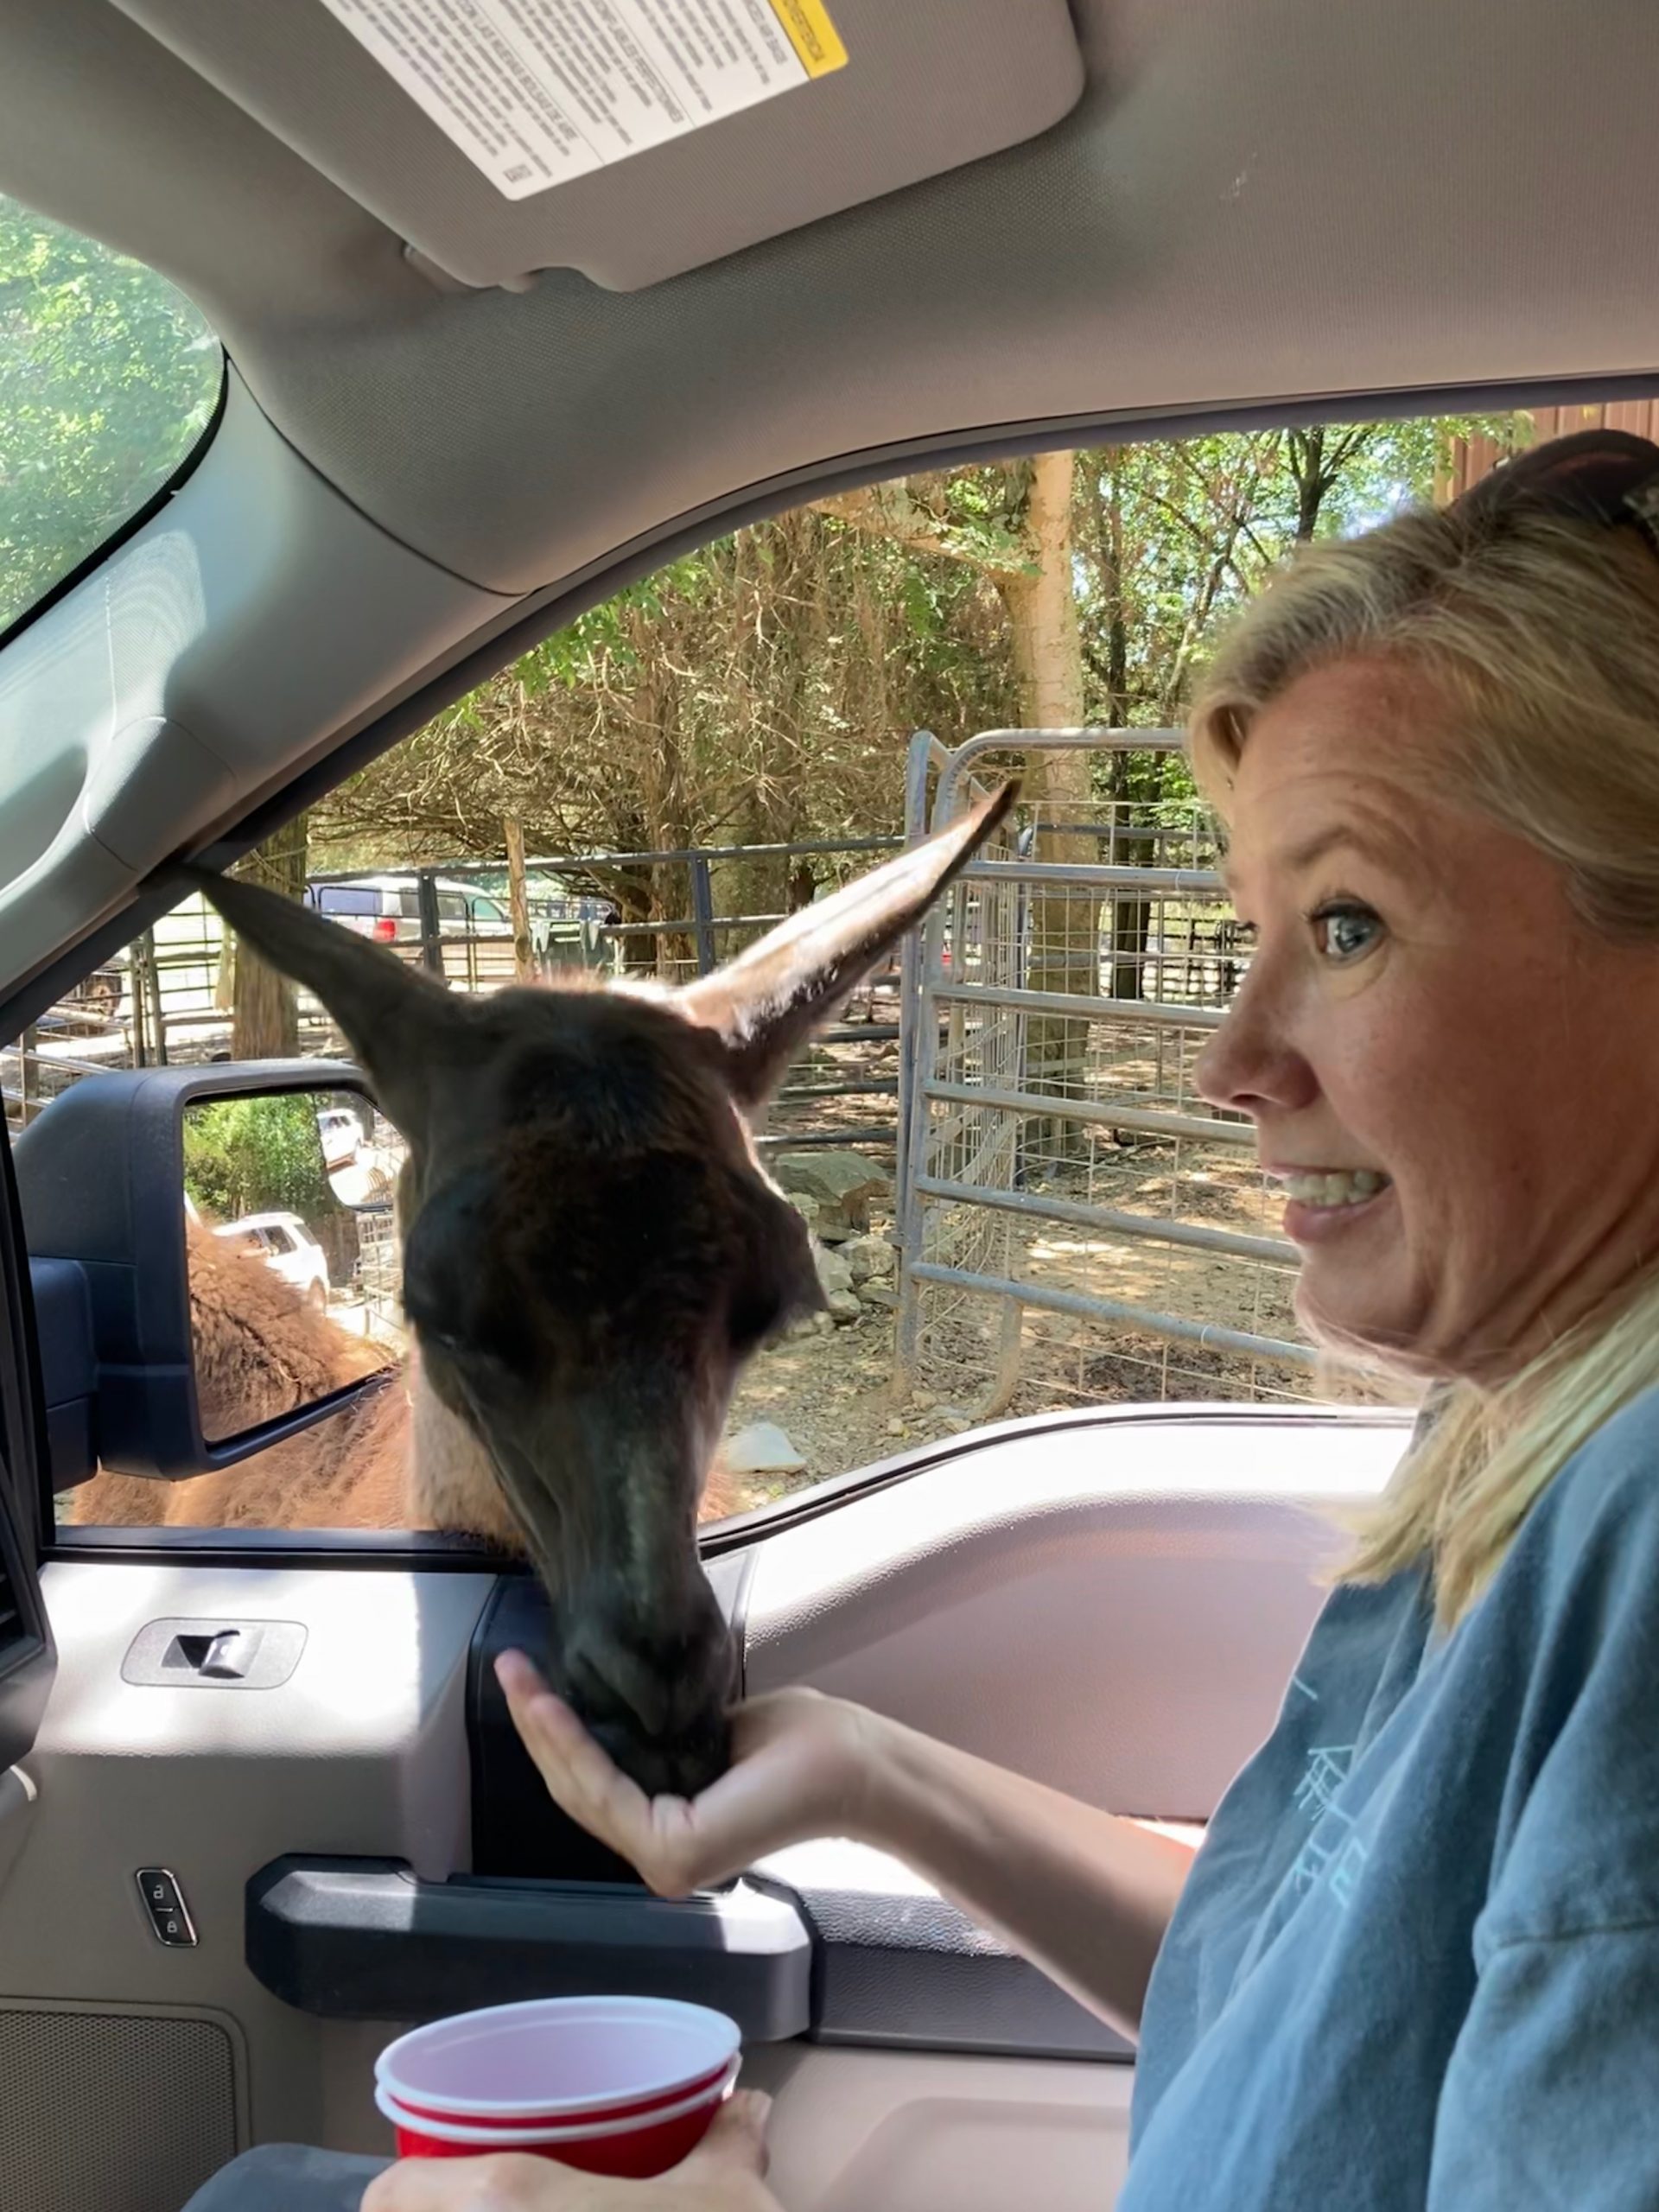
<point x="397" y="1023"/>
<point x="766" y="1002"/>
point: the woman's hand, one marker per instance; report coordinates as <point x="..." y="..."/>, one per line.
<point x="1082" y="1895"/>
<point x="801" y="1766"/>
<point x="725" y="2173"/>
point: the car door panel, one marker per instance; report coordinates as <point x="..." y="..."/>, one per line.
<point x="361" y="1749"/>
<point x="1112" y="1602"/>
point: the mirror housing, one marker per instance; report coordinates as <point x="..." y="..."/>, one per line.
<point x="100" y="1182"/>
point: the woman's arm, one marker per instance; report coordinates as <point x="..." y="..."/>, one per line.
<point x="1084" y="1896"/>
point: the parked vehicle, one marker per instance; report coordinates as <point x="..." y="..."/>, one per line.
<point x="288" y="1248"/>
<point x="388" y="908"/>
<point x="341" y="1134"/>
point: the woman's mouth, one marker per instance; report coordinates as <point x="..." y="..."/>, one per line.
<point x="1334" y="1187"/>
<point x="1323" y="1202"/>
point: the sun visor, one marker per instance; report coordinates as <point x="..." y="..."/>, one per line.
<point x="629" y="139"/>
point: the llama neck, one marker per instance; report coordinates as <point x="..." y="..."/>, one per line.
<point x="451" y="1483"/>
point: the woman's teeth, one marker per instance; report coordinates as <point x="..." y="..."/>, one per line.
<point x="1347" y="1187"/>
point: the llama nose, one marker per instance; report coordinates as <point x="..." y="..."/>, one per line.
<point x="657" y="1697"/>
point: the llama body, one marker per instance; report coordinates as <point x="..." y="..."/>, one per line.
<point x="591" y="1253"/>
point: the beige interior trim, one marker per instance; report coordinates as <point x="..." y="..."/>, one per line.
<point x="1255" y="202"/>
<point x="869" y="2131"/>
<point x="923" y="91"/>
<point x="1113" y="1608"/>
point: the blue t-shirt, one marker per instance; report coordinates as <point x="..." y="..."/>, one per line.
<point x="1416" y="1961"/>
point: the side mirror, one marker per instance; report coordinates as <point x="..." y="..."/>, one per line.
<point x="159" y="1204"/>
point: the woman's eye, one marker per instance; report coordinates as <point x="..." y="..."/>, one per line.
<point x="1344" y="931"/>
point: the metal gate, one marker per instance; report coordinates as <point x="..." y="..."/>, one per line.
<point x="1074" y="1223"/>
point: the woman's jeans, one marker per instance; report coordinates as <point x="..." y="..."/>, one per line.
<point x="284" y="2177"/>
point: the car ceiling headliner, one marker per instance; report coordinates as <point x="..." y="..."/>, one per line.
<point x="1256" y="203"/>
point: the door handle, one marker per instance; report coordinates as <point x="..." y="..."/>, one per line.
<point x="225" y="1656"/>
<point x="182" y="1654"/>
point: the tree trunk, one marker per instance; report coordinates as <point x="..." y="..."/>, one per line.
<point x="638" y="899"/>
<point x="654" y="709"/>
<point x="1117" y="633"/>
<point x="1064" y="945"/>
<point x="265" y="1025"/>
<point x="1130" y="917"/>
<point x="524" y="955"/>
<point x="1306" y="460"/>
<point x="1317" y="460"/>
<point x="776" y="614"/>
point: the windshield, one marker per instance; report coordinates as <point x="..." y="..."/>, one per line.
<point x="108" y="378"/>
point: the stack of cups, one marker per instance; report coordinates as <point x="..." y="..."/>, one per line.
<point x="612" y="2085"/>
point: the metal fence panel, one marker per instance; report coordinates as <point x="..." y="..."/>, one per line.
<point x="1076" y="1223"/>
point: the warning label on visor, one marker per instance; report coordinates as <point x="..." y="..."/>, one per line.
<point x="536" y="91"/>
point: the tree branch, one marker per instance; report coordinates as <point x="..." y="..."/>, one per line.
<point x="890" y="511"/>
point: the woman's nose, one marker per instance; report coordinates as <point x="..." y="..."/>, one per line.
<point x="1251" y="1063"/>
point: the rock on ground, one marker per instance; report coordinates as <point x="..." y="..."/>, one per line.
<point x="869" y="1258"/>
<point x="841" y="1183"/>
<point x="762" y="1448"/>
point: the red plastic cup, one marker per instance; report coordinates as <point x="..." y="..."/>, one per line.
<point x="582" y="2079"/>
<point x="637" y="2148"/>
<point x="514" y="2123"/>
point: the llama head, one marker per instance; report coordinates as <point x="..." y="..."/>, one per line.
<point x="591" y="1251"/>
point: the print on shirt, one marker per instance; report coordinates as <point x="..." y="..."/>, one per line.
<point x="1346" y="1873"/>
<point x="1333" y="1854"/>
<point x="1327" y="1768"/>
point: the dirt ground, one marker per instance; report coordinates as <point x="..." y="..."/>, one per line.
<point x="832" y="1397"/>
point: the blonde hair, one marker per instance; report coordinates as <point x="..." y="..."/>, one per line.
<point x="1542" y="634"/>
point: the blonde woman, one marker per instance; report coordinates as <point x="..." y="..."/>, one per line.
<point x="1416" y="1961"/>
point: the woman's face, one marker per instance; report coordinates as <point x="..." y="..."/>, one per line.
<point x="1455" y="1078"/>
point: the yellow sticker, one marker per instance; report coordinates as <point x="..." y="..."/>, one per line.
<point x="814" y="37"/>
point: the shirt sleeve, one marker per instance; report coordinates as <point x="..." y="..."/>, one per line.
<point x="1549" y="2099"/>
